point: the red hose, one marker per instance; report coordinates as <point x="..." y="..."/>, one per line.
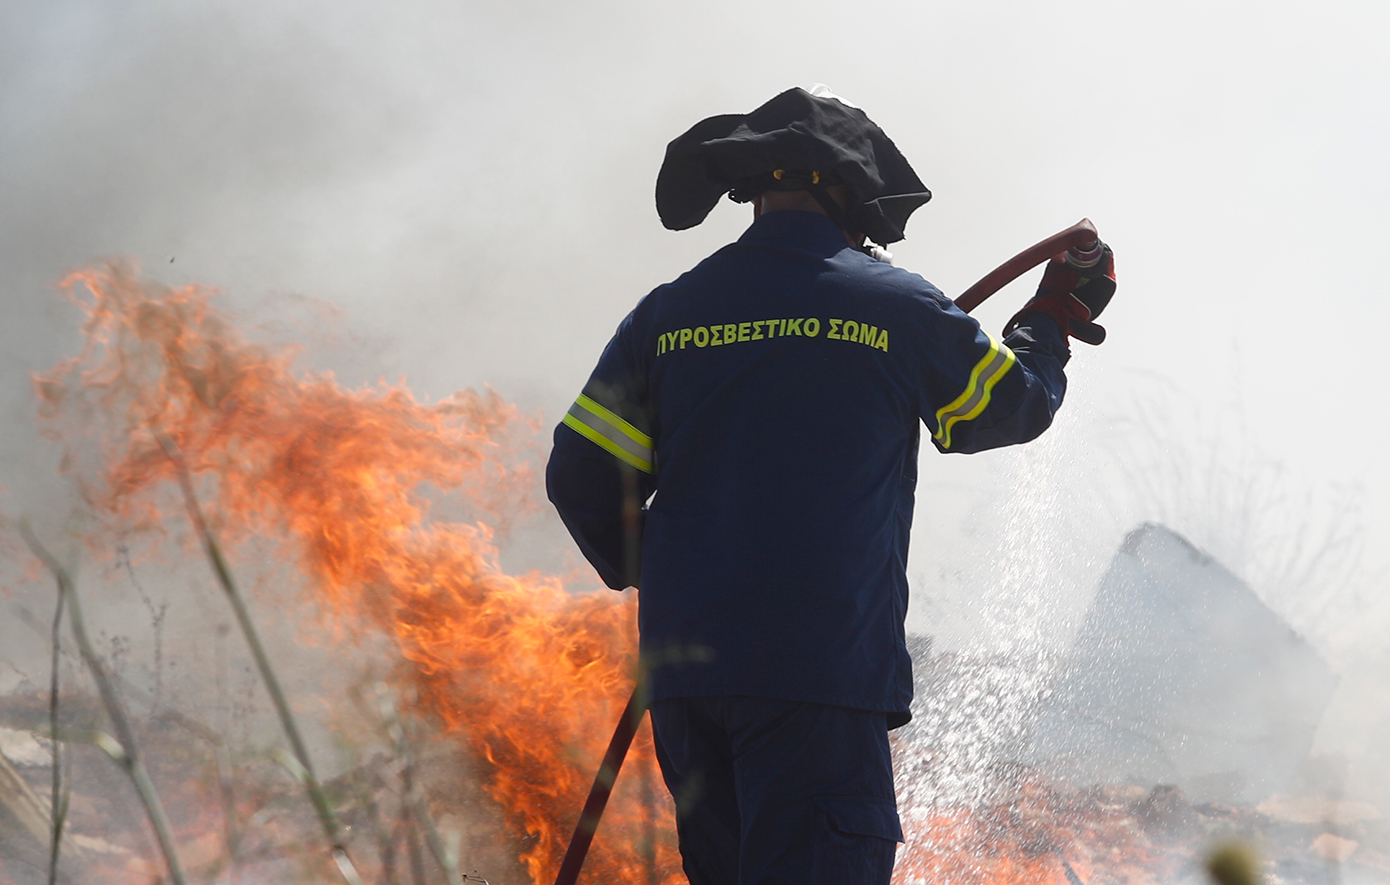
<point x="1079" y="235"/>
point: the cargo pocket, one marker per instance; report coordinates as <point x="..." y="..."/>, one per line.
<point x="861" y="817"/>
<point x="860" y="838"/>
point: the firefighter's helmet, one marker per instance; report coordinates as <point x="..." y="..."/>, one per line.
<point x="797" y="141"/>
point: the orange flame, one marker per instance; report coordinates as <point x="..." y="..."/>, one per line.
<point x="1045" y="834"/>
<point x="533" y="676"/>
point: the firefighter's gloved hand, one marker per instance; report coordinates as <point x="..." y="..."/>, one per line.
<point x="1074" y="292"/>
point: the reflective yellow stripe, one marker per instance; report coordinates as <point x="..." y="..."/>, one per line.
<point x="611" y="433"/>
<point x="612" y="418"/>
<point x="975" y="398"/>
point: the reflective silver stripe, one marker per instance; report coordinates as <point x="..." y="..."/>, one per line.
<point x="972" y="401"/>
<point x="608" y="431"/>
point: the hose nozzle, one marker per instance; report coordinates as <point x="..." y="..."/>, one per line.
<point x="1086" y="256"/>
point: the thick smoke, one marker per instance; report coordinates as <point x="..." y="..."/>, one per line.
<point x="461" y="195"/>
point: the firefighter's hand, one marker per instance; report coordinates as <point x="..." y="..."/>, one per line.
<point x="1087" y="277"/>
<point x="1075" y="295"/>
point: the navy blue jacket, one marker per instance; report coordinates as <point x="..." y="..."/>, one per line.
<point x="769" y="404"/>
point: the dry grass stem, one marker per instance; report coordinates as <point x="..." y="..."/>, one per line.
<point x="123" y="747"/>
<point x="445" y="853"/>
<point x="317" y="796"/>
<point x="58" y="804"/>
<point x="128" y="689"/>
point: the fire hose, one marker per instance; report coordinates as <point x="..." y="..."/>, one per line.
<point x="1081" y="244"/>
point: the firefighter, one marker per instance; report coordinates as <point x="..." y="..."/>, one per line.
<point x="746" y="453"/>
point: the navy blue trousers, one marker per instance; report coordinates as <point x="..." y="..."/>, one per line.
<point x="772" y="792"/>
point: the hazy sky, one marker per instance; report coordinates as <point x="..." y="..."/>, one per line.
<point x="472" y="185"/>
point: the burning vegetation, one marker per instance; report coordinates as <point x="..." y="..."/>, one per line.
<point x="492" y="695"/>
<point x="524" y="674"/>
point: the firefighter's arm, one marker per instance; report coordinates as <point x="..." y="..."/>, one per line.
<point x="984" y="392"/>
<point x="603" y="466"/>
<point x="591" y="494"/>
